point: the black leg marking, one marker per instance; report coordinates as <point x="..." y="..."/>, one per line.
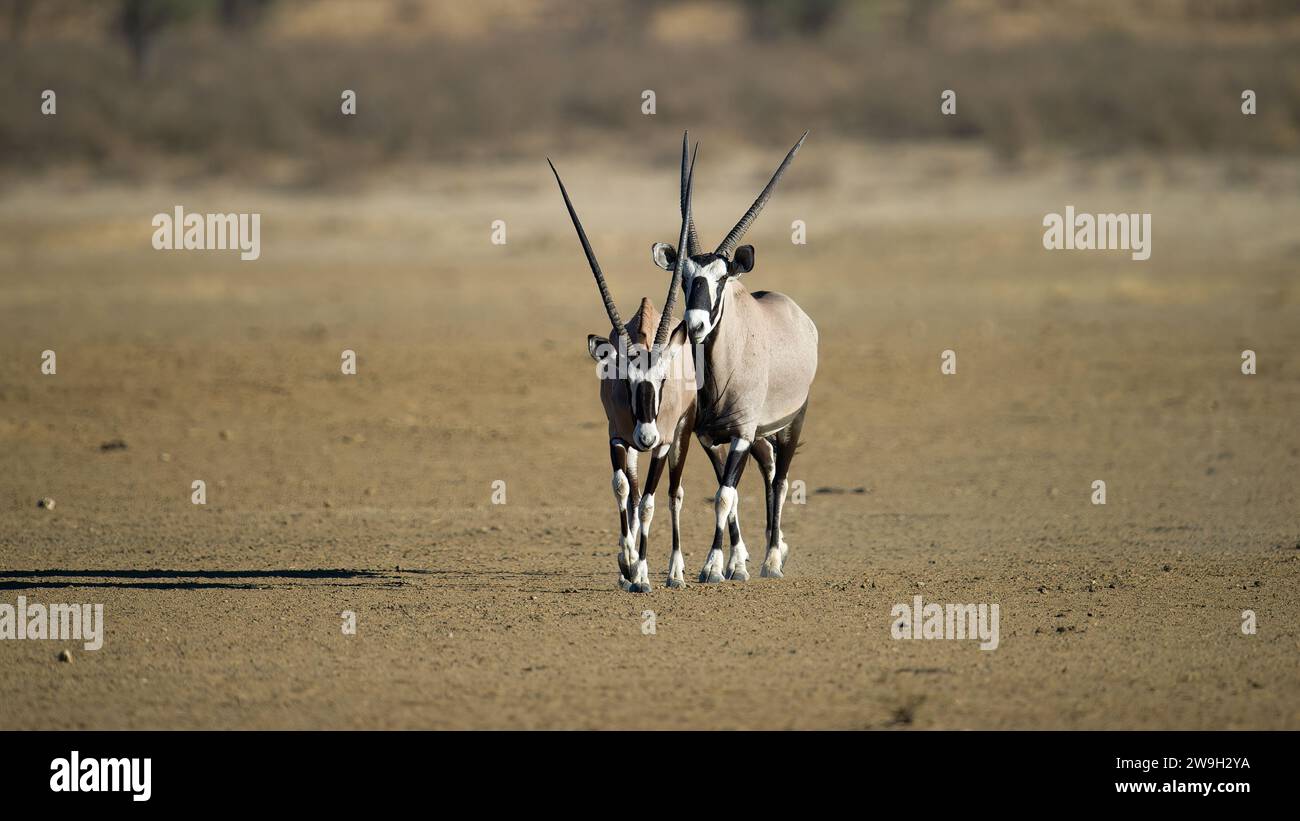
<point x="736" y="461"/>
<point x="731" y="473"/>
<point x="787" y="443"/>
<point x="651" y="482"/>
<point x="675" y="469"/>
<point x="719" y="466"/>
<point x="764" y="454"/>
<point x="618" y="460"/>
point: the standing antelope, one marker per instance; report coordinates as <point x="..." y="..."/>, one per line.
<point x="759" y="360"/>
<point x="648" y="389"/>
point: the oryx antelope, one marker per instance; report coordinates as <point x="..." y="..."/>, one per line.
<point x="647" y="387"/>
<point x="759" y="357"/>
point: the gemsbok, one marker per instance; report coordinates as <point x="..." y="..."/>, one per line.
<point x="759" y="357"/>
<point x="647" y="387"/>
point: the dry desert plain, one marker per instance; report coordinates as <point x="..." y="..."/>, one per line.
<point x="373" y="493"/>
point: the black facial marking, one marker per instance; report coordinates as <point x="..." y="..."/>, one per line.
<point x="698" y="299"/>
<point x="643" y="402"/>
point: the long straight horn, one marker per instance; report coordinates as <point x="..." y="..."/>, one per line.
<point x="670" y="302"/>
<point x="693" y="245"/>
<point x="591" y="260"/>
<point x="729" y="244"/>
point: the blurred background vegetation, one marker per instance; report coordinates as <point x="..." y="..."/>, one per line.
<point x="252" y="87"/>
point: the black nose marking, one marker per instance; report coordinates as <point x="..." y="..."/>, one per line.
<point x="643" y="402"/>
<point x="698" y="300"/>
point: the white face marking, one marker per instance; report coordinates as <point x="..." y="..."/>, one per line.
<point x="642" y="375"/>
<point x="645" y="435"/>
<point x="641" y="369"/>
<point x="698" y="324"/>
<point x="699" y="321"/>
<point x="640" y="378"/>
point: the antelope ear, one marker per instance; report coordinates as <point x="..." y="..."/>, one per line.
<point x="599" y="347"/>
<point x="744" y="261"/>
<point x="664" y="255"/>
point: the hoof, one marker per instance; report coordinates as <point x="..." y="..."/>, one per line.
<point x="624" y="584"/>
<point x="740" y="574"/>
<point x="639" y="587"/>
<point x="676" y="584"/>
<point x="710" y="577"/>
<point x="772" y="573"/>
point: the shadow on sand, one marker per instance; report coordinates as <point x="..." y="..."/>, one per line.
<point x="158" y="579"/>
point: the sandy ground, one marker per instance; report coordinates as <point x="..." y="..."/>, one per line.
<point x="372" y="493"/>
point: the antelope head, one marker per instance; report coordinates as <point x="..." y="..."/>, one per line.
<point x="641" y="372"/>
<point x="704" y="277"/>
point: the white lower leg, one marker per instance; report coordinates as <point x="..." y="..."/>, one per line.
<point x="647" y="513"/>
<point x="676" y="569"/>
<point x="776" y="546"/>
<point x="631" y="509"/>
<point x="723" y="505"/>
<point x="739" y="555"/>
<point x="622" y="491"/>
<point x="676" y="564"/>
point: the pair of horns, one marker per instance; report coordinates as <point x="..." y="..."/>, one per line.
<point x="688" y="229"/>
<point x="688" y="239"/>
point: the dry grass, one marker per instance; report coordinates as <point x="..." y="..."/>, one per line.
<point x="266" y="104"/>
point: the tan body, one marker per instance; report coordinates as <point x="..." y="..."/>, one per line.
<point x="678" y="402"/>
<point x="758" y="358"/>
<point x="759" y="365"/>
<point x="674" y="423"/>
<point x="647" y="390"/>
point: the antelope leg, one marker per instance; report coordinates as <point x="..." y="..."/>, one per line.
<point x="622" y="485"/>
<point x="724" y="507"/>
<point x="641" y="573"/>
